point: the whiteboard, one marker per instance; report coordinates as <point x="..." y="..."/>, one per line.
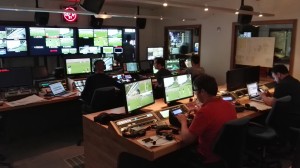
<point x="255" y="51"/>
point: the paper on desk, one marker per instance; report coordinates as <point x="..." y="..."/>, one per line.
<point x="159" y="141"/>
<point x="260" y="106"/>
<point x="26" y="100"/>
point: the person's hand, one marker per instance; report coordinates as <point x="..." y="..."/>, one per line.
<point x="182" y="119"/>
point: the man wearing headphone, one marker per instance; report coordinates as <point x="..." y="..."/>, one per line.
<point x="97" y="80"/>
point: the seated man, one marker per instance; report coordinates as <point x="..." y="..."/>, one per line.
<point x="195" y="70"/>
<point x="159" y="64"/>
<point x="286" y="85"/>
<point x="208" y="120"/>
<point x="97" y="80"/>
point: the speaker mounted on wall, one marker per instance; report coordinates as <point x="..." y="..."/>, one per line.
<point x="96" y="22"/>
<point x="141" y="23"/>
<point x="92" y="5"/>
<point x="41" y="18"/>
<point x="244" y="19"/>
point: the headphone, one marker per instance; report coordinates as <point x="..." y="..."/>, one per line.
<point x="161" y="130"/>
<point x="133" y="133"/>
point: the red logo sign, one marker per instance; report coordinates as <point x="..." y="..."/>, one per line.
<point x="68" y="16"/>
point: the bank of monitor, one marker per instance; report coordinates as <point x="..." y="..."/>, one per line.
<point x="13" y="41"/>
<point x="107" y="60"/>
<point x="77" y="66"/>
<point x="172" y="65"/>
<point x="15" y="77"/>
<point x="177" y="87"/>
<point x="47" y="41"/>
<point x="138" y="95"/>
<point x="153" y="52"/>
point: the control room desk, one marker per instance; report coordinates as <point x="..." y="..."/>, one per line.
<point x="39" y="118"/>
<point x="102" y="145"/>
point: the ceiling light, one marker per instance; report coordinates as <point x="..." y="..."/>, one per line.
<point x="183" y="20"/>
<point x="161" y="18"/>
<point x="165" y="4"/>
<point x="103" y="16"/>
<point x="260" y="15"/>
<point x="134" y="17"/>
<point x="237" y="12"/>
<point x="206" y="9"/>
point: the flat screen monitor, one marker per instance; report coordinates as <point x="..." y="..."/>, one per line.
<point x="196" y="47"/>
<point x="108" y="50"/>
<point x="78" y="66"/>
<point x="13" y="41"/>
<point x="118" y="50"/>
<point x="138" y="95"/>
<point x="52" y="41"/>
<point x="177" y="87"/>
<point x="239" y="78"/>
<point x="114" y="37"/>
<point x="172" y="65"/>
<point x="131" y="67"/>
<point x="16" y="77"/>
<point x="153" y="52"/>
<point x="108" y="63"/>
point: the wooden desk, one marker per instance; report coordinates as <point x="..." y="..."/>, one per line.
<point x="5" y="107"/>
<point x="102" y="145"/>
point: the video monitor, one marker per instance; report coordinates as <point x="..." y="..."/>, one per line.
<point x="235" y="79"/>
<point x="52" y="41"/>
<point x="172" y="65"/>
<point x="118" y="50"/>
<point x="178" y="87"/>
<point x="114" y="37"/>
<point x="78" y="66"/>
<point x="153" y="52"/>
<point x="196" y="47"/>
<point x="131" y="67"/>
<point x="108" y="50"/>
<point x="13" y="41"/>
<point x="108" y="63"/>
<point x="15" y="77"/>
<point x="138" y="95"/>
<point x="188" y="63"/>
<point x="86" y="41"/>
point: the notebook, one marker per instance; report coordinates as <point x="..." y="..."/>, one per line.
<point x="58" y="89"/>
<point x="253" y="92"/>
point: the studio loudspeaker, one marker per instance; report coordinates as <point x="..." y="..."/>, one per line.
<point x="92" y="5"/>
<point x="41" y="18"/>
<point x="141" y="23"/>
<point x="96" y="22"/>
<point x="245" y="19"/>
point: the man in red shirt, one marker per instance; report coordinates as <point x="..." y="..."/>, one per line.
<point x="208" y="120"/>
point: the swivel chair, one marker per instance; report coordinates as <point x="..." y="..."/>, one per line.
<point x="231" y="142"/>
<point x="103" y="99"/>
<point x="267" y="133"/>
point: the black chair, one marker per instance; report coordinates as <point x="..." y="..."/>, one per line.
<point x="103" y="99"/>
<point x="296" y="153"/>
<point x="2" y="157"/>
<point x="231" y="142"/>
<point x="267" y="133"/>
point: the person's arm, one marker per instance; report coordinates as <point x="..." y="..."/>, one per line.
<point x="267" y="100"/>
<point x="186" y="136"/>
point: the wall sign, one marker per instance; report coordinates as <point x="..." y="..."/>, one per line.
<point x="68" y="16"/>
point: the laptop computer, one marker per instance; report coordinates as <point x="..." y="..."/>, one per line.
<point x="253" y="92"/>
<point x="58" y="89"/>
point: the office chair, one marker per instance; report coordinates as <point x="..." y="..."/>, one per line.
<point x="231" y="142"/>
<point x="103" y="99"/>
<point x="266" y="133"/>
<point x="296" y="153"/>
<point x="2" y="158"/>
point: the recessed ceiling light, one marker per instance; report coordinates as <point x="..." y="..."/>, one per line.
<point x="206" y="9"/>
<point x="165" y="4"/>
<point x="260" y="15"/>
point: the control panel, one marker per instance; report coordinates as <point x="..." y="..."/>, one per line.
<point x="12" y="94"/>
<point x="135" y="122"/>
<point x="164" y="113"/>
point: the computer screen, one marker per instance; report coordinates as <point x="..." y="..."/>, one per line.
<point x="138" y="95"/>
<point x="131" y="67"/>
<point x="172" y="65"/>
<point x="108" y="50"/>
<point x="16" y="77"/>
<point x="13" y="41"/>
<point x="153" y="52"/>
<point x="52" y="41"/>
<point x="239" y="78"/>
<point x="178" y="87"/>
<point x="188" y="63"/>
<point x="78" y="66"/>
<point x="108" y="63"/>
<point x="196" y="47"/>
